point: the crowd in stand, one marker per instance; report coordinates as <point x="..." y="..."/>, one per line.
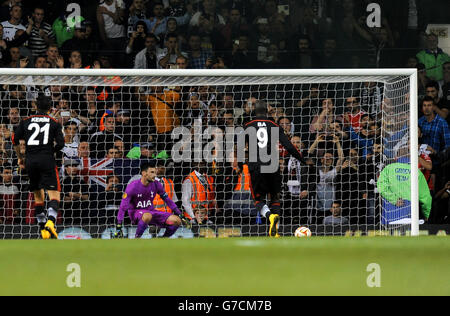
<point x="338" y="127"/>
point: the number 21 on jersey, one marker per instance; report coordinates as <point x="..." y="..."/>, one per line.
<point x="37" y="130"/>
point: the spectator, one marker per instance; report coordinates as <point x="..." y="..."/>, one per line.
<point x="168" y="56"/>
<point x="120" y="147"/>
<point x="110" y="18"/>
<point x="112" y="153"/>
<point x="40" y="62"/>
<point x="351" y="189"/>
<point x="182" y="62"/>
<point x="433" y="58"/>
<point x="41" y="35"/>
<point x="353" y="114"/>
<point x="365" y="138"/>
<point x="81" y="42"/>
<point x="136" y="14"/>
<point x="176" y="8"/>
<point x="157" y="24"/>
<point x="242" y="56"/>
<point x="137" y="40"/>
<point x="440" y="212"/>
<point x="75" y="60"/>
<point x="162" y="103"/>
<point x="63" y="27"/>
<point x="101" y="141"/>
<point x="108" y="202"/>
<point x="146" y="58"/>
<point x="440" y="106"/>
<point x="329" y="57"/>
<point x="208" y="11"/>
<point x="263" y="40"/>
<point x="8" y="196"/>
<point x="301" y="186"/>
<point x="435" y="131"/>
<point x="75" y="195"/>
<point x="11" y="26"/>
<point x="234" y="27"/>
<point x="304" y="58"/>
<point x="370" y="168"/>
<point x="335" y="219"/>
<point x="322" y="122"/>
<point x="197" y="56"/>
<point x="83" y="150"/>
<point x="326" y="178"/>
<point x="53" y="58"/>
<point x="71" y="140"/>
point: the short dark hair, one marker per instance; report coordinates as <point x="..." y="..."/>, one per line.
<point x="151" y="35"/>
<point x="147" y="165"/>
<point x="427" y="99"/>
<point x="43" y="103"/>
<point x="284" y="118"/>
<point x="337" y="202"/>
<point x="432" y="84"/>
<point x="171" y="35"/>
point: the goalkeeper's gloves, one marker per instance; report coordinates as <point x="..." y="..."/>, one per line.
<point x="185" y="221"/>
<point x="119" y="232"/>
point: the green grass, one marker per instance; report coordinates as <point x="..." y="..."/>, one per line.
<point x="235" y="266"/>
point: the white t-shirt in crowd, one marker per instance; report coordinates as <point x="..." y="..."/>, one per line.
<point x="112" y="29"/>
<point x="9" y="30"/>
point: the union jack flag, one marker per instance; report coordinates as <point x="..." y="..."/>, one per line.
<point x="95" y="172"/>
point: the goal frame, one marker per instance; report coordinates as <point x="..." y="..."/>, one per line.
<point x="406" y="72"/>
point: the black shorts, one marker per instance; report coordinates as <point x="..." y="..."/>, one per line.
<point x="43" y="173"/>
<point x="265" y="183"/>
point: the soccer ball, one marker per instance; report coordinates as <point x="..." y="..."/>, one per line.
<point x="302" y="232"/>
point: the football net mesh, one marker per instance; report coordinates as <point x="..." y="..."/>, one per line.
<point x="348" y="128"/>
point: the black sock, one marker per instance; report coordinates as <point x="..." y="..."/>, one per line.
<point x="51" y="218"/>
<point x="40" y="215"/>
<point x="275" y="208"/>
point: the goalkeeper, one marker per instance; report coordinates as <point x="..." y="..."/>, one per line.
<point x="394" y="185"/>
<point x="138" y="201"/>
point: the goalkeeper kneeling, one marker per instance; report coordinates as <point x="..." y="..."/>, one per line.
<point x="138" y="202"/>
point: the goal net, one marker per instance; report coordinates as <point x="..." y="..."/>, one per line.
<point x="350" y="125"/>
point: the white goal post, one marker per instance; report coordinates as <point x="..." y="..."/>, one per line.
<point x="400" y="83"/>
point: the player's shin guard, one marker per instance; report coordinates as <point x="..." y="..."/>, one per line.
<point x="53" y="207"/>
<point x="170" y="230"/>
<point x="142" y="226"/>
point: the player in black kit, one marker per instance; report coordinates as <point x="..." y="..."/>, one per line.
<point x="43" y="138"/>
<point x="265" y="182"/>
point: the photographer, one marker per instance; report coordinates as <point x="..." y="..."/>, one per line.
<point x="137" y="40"/>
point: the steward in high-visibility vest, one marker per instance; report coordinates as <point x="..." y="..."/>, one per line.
<point x="162" y="106"/>
<point x="169" y="187"/>
<point x="244" y="181"/>
<point x="201" y="193"/>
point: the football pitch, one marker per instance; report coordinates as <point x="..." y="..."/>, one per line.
<point x="228" y="267"/>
